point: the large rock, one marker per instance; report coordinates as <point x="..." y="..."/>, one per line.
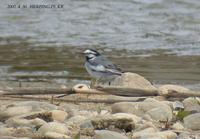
<point x="192" y="121"/>
<point x="164" y="89"/>
<point x="132" y="80"/>
<point x="53" y="127"/>
<point x="192" y="104"/>
<point x="156" y="109"/>
<point x="106" y="134"/>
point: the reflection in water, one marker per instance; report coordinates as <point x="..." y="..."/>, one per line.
<point x="158" y="39"/>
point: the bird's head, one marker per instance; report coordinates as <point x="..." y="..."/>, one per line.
<point x="91" y="54"/>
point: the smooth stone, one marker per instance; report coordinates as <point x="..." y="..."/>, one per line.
<point x="106" y="134"/>
<point x="156" y="109"/>
<point x="6" y="113"/>
<point x="6" y="131"/>
<point x="59" y="115"/>
<point x="18" y="122"/>
<point x="164" y="89"/>
<point x="161" y="113"/>
<point x="86" y="124"/>
<point x="192" y="121"/>
<point x="138" y="134"/>
<point x="54" y="135"/>
<point x="20" y="108"/>
<point x="75" y="120"/>
<point x="127" y="107"/>
<point x="192" y="104"/>
<point x="155" y="135"/>
<point x="135" y="118"/>
<point x="53" y="127"/>
<point x="132" y="80"/>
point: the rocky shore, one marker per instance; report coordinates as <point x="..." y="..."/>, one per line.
<point x="152" y="118"/>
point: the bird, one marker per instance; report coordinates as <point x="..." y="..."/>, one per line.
<point x="99" y="67"/>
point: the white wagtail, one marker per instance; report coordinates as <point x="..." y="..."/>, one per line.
<point x="99" y="67"/>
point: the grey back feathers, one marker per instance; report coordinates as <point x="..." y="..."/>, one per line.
<point x="99" y="66"/>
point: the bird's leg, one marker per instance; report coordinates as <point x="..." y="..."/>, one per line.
<point x="92" y="83"/>
<point x="96" y="82"/>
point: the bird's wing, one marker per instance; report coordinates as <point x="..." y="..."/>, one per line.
<point x="104" y="64"/>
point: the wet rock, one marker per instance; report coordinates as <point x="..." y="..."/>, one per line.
<point x="151" y="134"/>
<point x="59" y="115"/>
<point x="156" y="109"/>
<point x="114" y="122"/>
<point x="53" y="127"/>
<point x="132" y="80"/>
<point x="54" y="135"/>
<point x="164" y="89"/>
<point x="192" y="121"/>
<point x="192" y="104"/>
<point x="106" y="134"/>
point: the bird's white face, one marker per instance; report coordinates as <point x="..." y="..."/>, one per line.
<point x="88" y="51"/>
<point x="90" y="54"/>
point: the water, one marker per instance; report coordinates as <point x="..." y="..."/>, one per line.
<point x="158" y="39"/>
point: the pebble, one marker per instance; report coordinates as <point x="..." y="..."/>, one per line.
<point x="106" y="134"/>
